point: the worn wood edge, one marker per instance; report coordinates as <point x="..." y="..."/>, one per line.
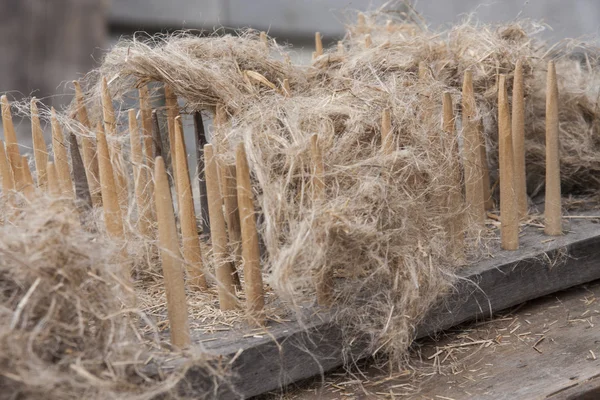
<point x="588" y="389"/>
<point x="293" y="351"/>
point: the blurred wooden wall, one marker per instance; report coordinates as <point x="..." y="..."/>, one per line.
<point x="44" y="43"/>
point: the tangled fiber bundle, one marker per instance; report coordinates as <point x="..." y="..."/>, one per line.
<point x="64" y="330"/>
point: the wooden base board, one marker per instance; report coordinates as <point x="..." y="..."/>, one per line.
<point x="291" y="352"/>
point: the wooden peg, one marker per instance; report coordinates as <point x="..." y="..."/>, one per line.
<point x="387" y="140"/>
<point x="518" y="135"/>
<point x="263" y="37"/>
<point x="12" y="146"/>
<point x="110" y="201"/>
<point x="318" y="44"/>
<point x="88" y="148"/>
<point x="472" y="153"/>
<point x="171" y="263"/>
<point x="82" y="190"/>
<point x="340" y="48"/>
<point x="455" y="202"/>
<point x="146" y="118"/>
<point x="488" y="201"/>
<point x="54" y="189"/>
<point x="156" y="136"/>
<point x="232" y="216"/>
<point x="187" y="216"/>
<point x="139" y="176"/>
<point x="172" y="112"/>
<point x="223" y="270"/>
<point x="28" y="188"/>
<point x="389" y="26"/>
<point x="61" y="160"/>
<point x="40" y="151"/>
<point x="200" y="165"/>
<point x="110" y="127"/>
<point x="8" y="181"/>
<point x="255" y="298"/>
<point x="509" y="213"/>
<point x="368" y="41"/>
<point x="361" y="21"/>
<point x="552" y="210"/>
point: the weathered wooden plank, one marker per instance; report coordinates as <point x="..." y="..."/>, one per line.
<point x="292" y="352"/>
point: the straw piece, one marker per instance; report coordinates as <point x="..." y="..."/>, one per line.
<point x="472" y="153"/>
<point x="485" y="177"/>
<point x="187" y="216"/>
<point x="12" y="146"/>
<point x="200" y="143"/>
<point x="139" y="176"/>
<point x="232" y="216"/>
<point x="110" y="200"/>
<point x="146" y="118"/>
<point x="61" y="160"/>
<point x="552" y="210"/>
<point x="325" y="282"/>
<point x="455" y="201"/>
<point x="172" y="112"/>
<point x="255" y="300"/>
<point x="40" y="151"/>
<point x="387" y="140"/>
<point x="54" y="188"/>
<point x="8" y="182"/>
<point x="318" y="45"/>
<point x="223" y="270"/>
<point x="509" y="214"/>
<point x="171" y="263"/>
<point x="82" y="190"/>
<point x="518" y="135"/>
<point x="110" y="127"/>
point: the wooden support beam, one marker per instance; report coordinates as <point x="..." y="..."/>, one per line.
<point x="90" y="158"/>
<point x="110" y="200"/>
<point x="200" y="164"/>
<point x="552" y="209"/>
<point x="190" y="242"/>
<point x="472" y="154"/>
<point x="61" y="159"/>
<point x="223" y="269"/>
<point x="12" y="146"/>
<point x="255" y="298"/>
<point x="40" y="151"/>
<point x="518" y="134"/>
<point x="171" y="263"/>
<point x="139" y="176"/>
<point x="509" y="213"/>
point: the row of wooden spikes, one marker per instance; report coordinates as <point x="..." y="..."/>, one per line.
<point x="227" y="186"/>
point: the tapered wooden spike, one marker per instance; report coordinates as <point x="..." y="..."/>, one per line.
<point x="552" y="210"/>
<point x="263" y="37"/>
<point x="156" y="136"/>
<point x="368" y="41"/>
<point x="232" y="216"/>
<point x="255" y="300"/>
<point x="389" y="26"/>
<point x="200" y="165"/>
<point x="172" y="112"/>
<point x="318" y="44"/>
<point x="361" y="21"/>
<point x="340" y="48"/>
<point x="518" y="135"/>
<point x="455" y="201"/>
<point x="61" y="160"/>
<point x="82" y="190"/>
<point x="146" y="118"/>
<point x="12" y="146"/>
<point x="8" y="181"/>
<point x="110" y="127"/>
<point x="171" y="263"/>
<point x="139" y="176"/>
<point x="472" y="153"/>
<point x="110" y="201"/>
<point x="509" y="214"/>
<point x="324" y="283"/>
<point x="488" y="201"/>
<point x="28" y="188"/>
<point x="387" y="140"/>
<point x="90" y="160"/>
<point x="187" y="216"/>
<point x="40" y="152"/>
<point x="54" y="189"/>
<point x="224" y="272"/>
